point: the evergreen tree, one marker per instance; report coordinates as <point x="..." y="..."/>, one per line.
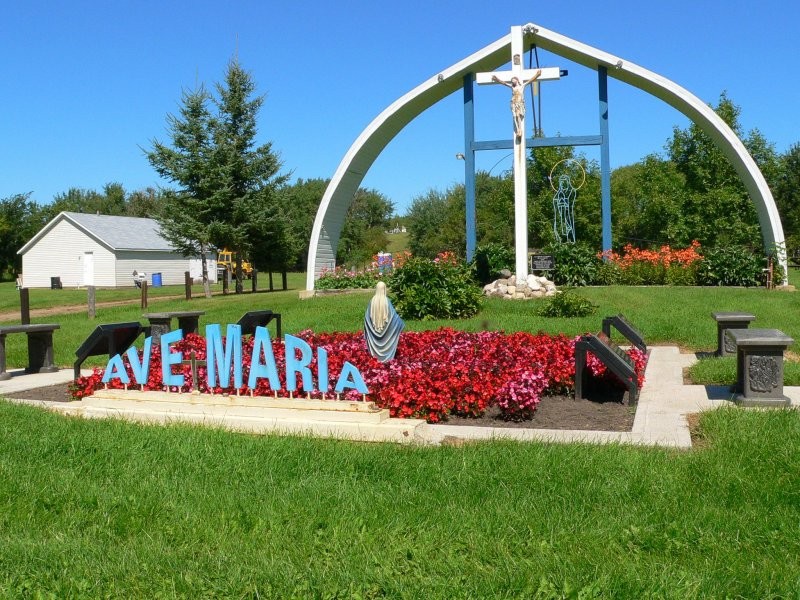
<point x="190" y="213"/>
<point x="247" y="177"/>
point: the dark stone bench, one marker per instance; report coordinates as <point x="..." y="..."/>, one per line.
<point x="727" y="321"/>
<point x="759" y="366"/>
<point x="161" y="323"/>
<point x="109" y="338"/>
<point x="259" y="318"/>
<point x="612" y="356"/>
<point x="40" y="347"/>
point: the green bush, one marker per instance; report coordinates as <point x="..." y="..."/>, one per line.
<point x="608" y="273"/>
<point x="576" y="264"/>
<point x="444" y="288"/>
<point x="730" y="265"/>
<point x="490" y="259"/>
<point x="566" y="303"/>
<point x="681" y="275"/>
<point x="644" y="273"/>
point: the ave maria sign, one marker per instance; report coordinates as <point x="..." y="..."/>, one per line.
<point x="222" y="357"/>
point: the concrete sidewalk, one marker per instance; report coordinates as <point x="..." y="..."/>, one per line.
<point x="660" y="418"/>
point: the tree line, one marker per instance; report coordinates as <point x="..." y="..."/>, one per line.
<point x="228" y="192"/>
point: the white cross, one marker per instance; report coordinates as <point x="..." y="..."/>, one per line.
<point x="523" y="76"/>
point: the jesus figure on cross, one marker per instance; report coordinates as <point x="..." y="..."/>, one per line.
<point x="518" y="100"/>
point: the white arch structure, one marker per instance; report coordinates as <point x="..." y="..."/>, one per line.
<point x="351" y="171"/>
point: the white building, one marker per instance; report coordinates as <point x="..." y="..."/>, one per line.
<point x="104" y="251"/>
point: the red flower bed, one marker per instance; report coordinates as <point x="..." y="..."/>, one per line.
<point x="434" y="374"/>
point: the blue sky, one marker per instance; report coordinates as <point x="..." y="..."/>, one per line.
<point x="86" y="85"/>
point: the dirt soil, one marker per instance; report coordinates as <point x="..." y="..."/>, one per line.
<point x="605" y="410"/>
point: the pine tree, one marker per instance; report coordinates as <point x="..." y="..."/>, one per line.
<point x="248" y="177"/>
<point x="189" y="214"/>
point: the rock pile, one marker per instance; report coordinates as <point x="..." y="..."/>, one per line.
<point x="507" y="287"/>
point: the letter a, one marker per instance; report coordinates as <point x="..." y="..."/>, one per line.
<point x="350" y="377"/>
<point x="262" y="341"/>
<point x="116" y="370"/>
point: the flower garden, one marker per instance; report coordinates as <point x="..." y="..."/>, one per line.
<point x="435" y="373"/>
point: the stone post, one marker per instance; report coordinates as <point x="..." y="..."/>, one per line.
<point x="25" y="306"/>
<point x="187" y="281"/>
<point x="91" y="300"/>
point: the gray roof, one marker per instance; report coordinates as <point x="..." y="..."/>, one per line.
<point x="117" y="233"/>
<point x="122" y="233"/>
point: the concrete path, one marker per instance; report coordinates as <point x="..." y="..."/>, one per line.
<point x="660" y="418"/>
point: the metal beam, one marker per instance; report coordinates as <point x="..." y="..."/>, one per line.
<point x="572" y="140"/>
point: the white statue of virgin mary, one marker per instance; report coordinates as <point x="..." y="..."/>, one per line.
<point x="382" y="325"/>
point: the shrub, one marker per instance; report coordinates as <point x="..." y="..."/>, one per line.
<point x="566" y="304"/>
<point x="443" y="288"/>
<point x="681" y="275"/>
<point x="490" y="259"/>
<point x="608" y="273"/>
<point x="730" y="265"/>
<point x="342" y="279"/>
<point x="576" y="264"/>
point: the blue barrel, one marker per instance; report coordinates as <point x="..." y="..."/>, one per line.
<point x="156" y="279"/>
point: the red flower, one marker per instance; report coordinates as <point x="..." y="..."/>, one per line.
<point x="434" y="374"/>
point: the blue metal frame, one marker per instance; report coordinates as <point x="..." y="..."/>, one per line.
<point x="469" y="162"/>
<point x="605" y="168"/>
<point x="471" y="146"/>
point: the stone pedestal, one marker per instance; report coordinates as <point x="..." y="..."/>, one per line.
<point x="759" y="366"/>
<point x="726" y="321"/>
<point x="161" y="323"/>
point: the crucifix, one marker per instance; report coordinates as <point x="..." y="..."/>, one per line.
<point x="194" y="363"/>
<point x="516" y="79"/>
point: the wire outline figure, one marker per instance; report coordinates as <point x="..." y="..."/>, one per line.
<point x="564" y="202"/>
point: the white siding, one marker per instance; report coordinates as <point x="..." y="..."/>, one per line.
<point x="171" y="266"/>
<point x="196" y="269"/>
<point x="60" y="253"/>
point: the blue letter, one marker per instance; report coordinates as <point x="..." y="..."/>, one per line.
<point x="262" y="341"/>
<point x="169" y="358"/>
<point x="116" y="370"/>
<point x="295" y="365"/>
<point x="140" y="370"/>
<point x="219" y="359"/>
<point x="322" y="370"/>
<point x="350" y="377"/>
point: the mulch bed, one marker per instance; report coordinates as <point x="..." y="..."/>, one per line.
<point x="605" y="410"/>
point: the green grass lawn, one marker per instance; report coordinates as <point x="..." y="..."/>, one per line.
<point x="398" y="242"/>
<point x="115" y="509"/>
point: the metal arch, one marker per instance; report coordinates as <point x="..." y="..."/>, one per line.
<point x="353" y="167"/>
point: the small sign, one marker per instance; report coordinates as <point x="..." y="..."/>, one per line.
<point x="541" y="262"/>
